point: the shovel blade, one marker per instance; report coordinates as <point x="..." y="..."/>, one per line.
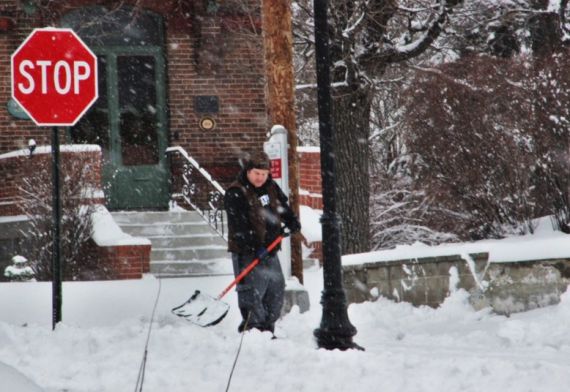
<point x="202" y="309"/>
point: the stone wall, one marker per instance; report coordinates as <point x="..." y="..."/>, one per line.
<point x="506" y="287"/>
<point x="423" y="281"/>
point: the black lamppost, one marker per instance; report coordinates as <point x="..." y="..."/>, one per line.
<point x="335" y="331"/>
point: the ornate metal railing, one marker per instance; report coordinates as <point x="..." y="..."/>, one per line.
<point x="200" y="191"/>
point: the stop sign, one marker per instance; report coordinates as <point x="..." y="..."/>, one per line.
<point x="54" y="77"/>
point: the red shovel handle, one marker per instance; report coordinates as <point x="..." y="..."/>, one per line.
<point x="249" y="267"/>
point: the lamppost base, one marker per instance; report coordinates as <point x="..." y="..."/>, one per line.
<point x="335" y="331"/>
<point x="335" y="340"/>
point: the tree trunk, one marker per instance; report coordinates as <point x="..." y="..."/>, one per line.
<point x="278" y="42"/>
<point x="351" y="116"/>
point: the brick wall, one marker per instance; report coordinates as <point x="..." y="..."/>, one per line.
<point x="310" y="187"/>
<point x="310" y="191"/>
<point x="225" y="60"/>
<point x="14" y="133"/>
<point x="115" y="262"/>
<point x="15" y="165"/>
<point x="126" y="261"/>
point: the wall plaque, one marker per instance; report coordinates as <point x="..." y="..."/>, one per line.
<point x="206" y="104"/>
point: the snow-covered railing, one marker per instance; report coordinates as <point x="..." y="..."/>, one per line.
<point x="204" y="194"/>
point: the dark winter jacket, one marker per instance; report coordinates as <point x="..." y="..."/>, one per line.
<point x="255" y="215"/>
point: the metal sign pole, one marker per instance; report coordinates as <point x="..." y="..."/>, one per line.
<point x="36" y="87"/>
<point x="56" y="249"/>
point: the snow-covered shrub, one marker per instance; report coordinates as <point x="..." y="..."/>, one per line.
<point x="78" y="261"/>
<point x="493" y="156"/>
<point x="400" y="209"/>
<point x="19" y="270"/>
<point x="551" y="136"/>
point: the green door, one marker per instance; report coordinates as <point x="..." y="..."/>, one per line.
<point x="129" y="119"/>
<point x="136" y="175"/>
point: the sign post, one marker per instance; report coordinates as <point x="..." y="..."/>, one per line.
<point x="56" y="270"/>
<point x="276" y="150"/>
<point x="54" y="80"/>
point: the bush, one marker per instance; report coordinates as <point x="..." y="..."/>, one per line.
<point x="78" y="261"/>
<point x="493" y="138"/>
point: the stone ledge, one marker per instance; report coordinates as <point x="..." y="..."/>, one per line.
<point x="506" y="287"/>
<point x="295" y="294"/>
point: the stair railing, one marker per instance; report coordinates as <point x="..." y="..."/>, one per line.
<point x="199" y="190"/>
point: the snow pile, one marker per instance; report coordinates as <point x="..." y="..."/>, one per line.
<point x="14" y="381"/>
<point x="25" y="152"/>
<point x="106" y="232"/>
<point x="100" y="344"/>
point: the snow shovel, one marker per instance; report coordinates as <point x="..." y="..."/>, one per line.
<point x="205" y="310"/>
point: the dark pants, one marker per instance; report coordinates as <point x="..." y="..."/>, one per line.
<point x="260" y="293"/>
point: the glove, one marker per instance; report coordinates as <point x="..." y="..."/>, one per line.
<point x="294" y="226"/>
<point x="261" y="254"/>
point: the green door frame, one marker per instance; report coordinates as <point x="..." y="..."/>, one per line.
<point x="106" y="31"/>
<point x="149" y="181"/>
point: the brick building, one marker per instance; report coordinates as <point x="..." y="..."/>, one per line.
<point x="171" y="73"/>
<point x="185" y="73"/>
<point x="164" y="67"/>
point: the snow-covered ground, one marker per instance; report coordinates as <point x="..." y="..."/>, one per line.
<point x="99" y="345"/>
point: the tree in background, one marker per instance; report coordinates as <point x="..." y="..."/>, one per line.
<point x="524" y="34"/>
<point x="468" y="124"/>
<point x="492" y="130"/>
<point x="551" y="135"/>
<point x="367" y="37"/>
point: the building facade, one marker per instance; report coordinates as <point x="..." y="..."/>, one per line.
<point x="171" y="73"/>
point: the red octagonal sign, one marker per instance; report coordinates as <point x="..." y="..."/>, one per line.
<point x="54" y="77"/>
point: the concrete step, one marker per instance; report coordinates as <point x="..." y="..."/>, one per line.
<point x="182" y="243"/>
<point x="186" y="240"/>
<point x="169" y="268"/>
<point x="165" y="229"/>
<point x="155" y="217"/>
<point x="189" y="253"/>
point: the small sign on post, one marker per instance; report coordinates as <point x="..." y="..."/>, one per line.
<point x="54" y="80"/>
<point x="276" y="168"/>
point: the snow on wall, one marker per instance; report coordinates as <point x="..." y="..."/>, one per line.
<point x="47" y="150"/>
<point x="544" y="244"/>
